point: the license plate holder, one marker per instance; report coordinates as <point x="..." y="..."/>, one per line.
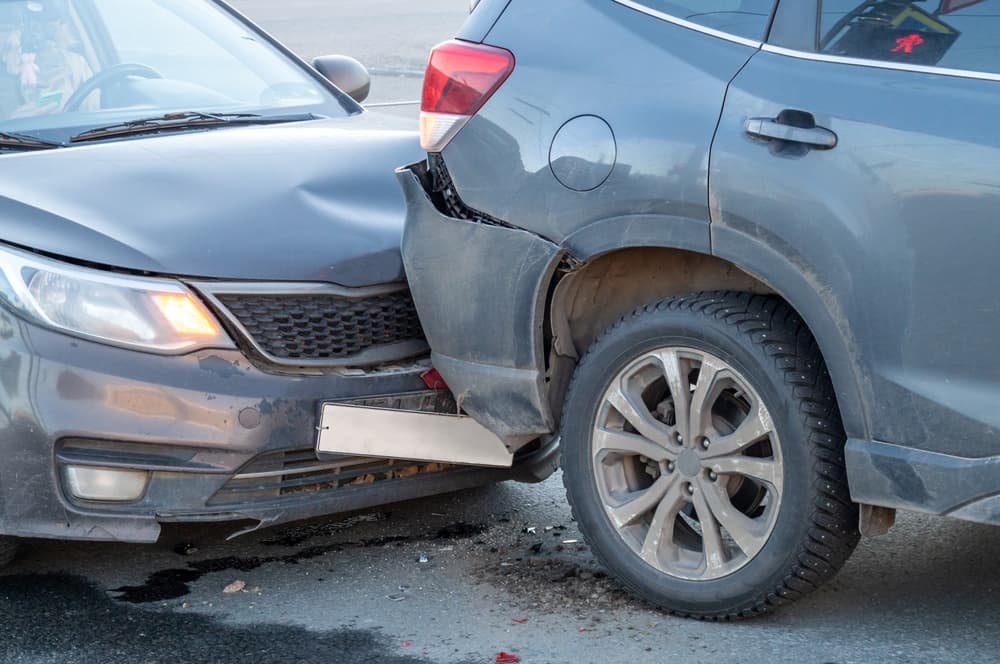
<point x="366" y="431"/>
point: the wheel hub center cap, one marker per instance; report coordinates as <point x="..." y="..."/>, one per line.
<point x="688" y="463"/>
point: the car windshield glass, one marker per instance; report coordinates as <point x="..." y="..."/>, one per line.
<point x="70" y="65"/>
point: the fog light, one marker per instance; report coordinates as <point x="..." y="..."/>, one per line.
<point x="107" y="484"/>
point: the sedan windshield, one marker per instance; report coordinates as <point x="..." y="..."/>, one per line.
<point x="67" y="66"/>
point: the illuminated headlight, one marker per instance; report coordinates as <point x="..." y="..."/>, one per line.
<point x="157" y="315"/>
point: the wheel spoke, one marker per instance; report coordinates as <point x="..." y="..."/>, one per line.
<point x="639" y="416"/>
<point x="746" y="532"/>
<point x="704" y="395"/>
<point x="661" y="527"/>
<point x="680" y="389"/>
<point x="711" y="535"/>
<point x="648" y="499"/>
<point x="763" y="470"/>
<point x="622" y="443"/>
<point x="754" y="428"/>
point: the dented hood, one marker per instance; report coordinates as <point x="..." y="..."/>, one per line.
<point x="309" y="201"/>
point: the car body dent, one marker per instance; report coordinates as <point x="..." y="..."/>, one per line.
<point x="198" y="204"/>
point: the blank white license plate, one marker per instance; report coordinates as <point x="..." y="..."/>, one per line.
<point x="411" y="435"/>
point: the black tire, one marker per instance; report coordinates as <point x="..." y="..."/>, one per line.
<point x="8" y="550"/>
<point x="815" y="530"/>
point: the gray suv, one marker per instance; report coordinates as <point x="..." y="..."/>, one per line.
<point x="739" y="255"/>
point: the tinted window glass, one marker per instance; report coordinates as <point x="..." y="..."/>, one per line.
<point x="744" y="18"/>
<point x="959" y="34"/>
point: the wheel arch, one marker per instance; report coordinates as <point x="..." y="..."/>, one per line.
<point x="609" y="283"/>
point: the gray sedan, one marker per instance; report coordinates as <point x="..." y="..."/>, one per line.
<point x="203" y="310"/>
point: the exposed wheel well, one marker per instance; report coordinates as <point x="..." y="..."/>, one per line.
<point x="590" y="298"/>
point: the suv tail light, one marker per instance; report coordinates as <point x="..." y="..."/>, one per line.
<point x="460" y="78"/>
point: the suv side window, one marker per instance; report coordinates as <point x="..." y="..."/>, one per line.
<point x="742" y="18"/>
<point x="957" y="34"/>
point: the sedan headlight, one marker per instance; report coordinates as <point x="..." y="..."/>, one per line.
<point x="157" y="315"/>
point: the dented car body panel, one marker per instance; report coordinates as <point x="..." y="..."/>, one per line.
<point x="198" y="204"/>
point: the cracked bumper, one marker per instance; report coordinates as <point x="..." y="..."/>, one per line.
<point x="481" y="294"/>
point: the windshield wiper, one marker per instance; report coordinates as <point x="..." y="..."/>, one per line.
<point x="182" y="122"/>
<point x="13" y="141"/>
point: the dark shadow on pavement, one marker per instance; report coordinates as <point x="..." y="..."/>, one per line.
<point x="65" y="619"/>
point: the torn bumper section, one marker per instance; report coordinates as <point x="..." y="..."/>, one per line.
<point x="485" y="332"/>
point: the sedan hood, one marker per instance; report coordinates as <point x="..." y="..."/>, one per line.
<point x="308" y="201"/>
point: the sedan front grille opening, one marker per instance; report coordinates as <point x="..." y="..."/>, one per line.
<point x="327" y="328"/>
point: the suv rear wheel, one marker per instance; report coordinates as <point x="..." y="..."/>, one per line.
<point x="703" y="456"/>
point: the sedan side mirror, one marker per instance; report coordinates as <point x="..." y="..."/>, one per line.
<point x="347" y="74"/>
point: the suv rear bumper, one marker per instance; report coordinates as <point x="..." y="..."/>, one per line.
<point x="485" y="333"/>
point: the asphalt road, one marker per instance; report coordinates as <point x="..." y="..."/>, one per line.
<point x="351" y="589"/>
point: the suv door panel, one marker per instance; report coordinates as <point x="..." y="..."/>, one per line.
<point x="895" y="228"/>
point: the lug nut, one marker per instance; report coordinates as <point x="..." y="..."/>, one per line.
<point x="705" y="443"/>
<point x="670" y="467"/>
<point x="690" y="489"/>
<point x="712" y="475"/>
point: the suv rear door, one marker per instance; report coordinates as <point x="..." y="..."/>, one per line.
<point x="857" y="158"/>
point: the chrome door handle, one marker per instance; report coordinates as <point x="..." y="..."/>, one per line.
<point x="773" y="130"/>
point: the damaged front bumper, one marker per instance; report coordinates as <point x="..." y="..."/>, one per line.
<point x="486" y="342"/>
<point x="215" y="438"/>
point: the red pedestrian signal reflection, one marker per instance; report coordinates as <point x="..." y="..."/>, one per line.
<point x="908" y="43"/>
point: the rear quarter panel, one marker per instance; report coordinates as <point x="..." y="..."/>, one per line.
<point x="659" y="86"/>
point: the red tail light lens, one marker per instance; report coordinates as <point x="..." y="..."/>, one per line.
<point x="460" y="78"/>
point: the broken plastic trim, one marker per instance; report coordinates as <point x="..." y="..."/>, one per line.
<point x="441" y="187"/>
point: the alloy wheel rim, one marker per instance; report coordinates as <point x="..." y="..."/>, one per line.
<point x="687" y="463"/>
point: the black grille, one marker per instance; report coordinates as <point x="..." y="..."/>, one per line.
<point x="322" y="327"/>
<point x="288" y="473"/>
